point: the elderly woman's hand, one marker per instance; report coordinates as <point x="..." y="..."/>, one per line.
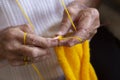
<point x="86" y="21"/>
<point x="12" y="46"/>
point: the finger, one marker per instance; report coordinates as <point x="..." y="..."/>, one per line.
<point x="88" y="23"/>
<point x="41" y="58"/>
<point x="73" y="10"/>
<point x="33" y="51"/>
<point x="66" y="23"/>
<point x="17" y="62"/>
<point x="12" y="56"/>
<point x="70" y="41"/>
<point x="92" y="34"/>
<point x="96" y="25"/>
<point x="26" y="28"/>
<point x="82" y="32"/>
<point x="35" y="40"/>
<point x="88" y="17"/>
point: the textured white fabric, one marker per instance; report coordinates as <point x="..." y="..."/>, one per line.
<point x="46" y="16"/>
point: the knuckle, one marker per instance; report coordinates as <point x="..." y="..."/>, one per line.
<point x="48" y="43"/>
<point x="84" y="13"/>
<point x="32" y="40"/>
<point x="34" y="53"/>
<point x="94" y="12"/>
<point x="85" y="34"/>
<point x="74" y="9"/>
<point x="26" y="25"/>
<point x="70" y="43"/>
<point x="11" y="33"/>
<point x="65" y="24"/>
<point x="71" y="10"/>
<point x="90" y="12"/>
<point x="37" y="52"/>
<point x="9" y="47"/>
<point x="28" y="28"/>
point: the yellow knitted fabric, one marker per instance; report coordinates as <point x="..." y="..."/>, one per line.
<point x="75" y="62"/>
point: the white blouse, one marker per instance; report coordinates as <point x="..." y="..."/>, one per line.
<point x="46" y="16"/>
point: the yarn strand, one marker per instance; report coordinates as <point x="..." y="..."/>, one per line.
<point x="25" y="34"/>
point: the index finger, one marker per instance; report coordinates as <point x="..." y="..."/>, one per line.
<point x="70" y="41"/>
<point x="35" y="40"/>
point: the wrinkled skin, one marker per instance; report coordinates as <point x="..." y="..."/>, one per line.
<point x="13" y="49"/>
<point x="86" y="20"/>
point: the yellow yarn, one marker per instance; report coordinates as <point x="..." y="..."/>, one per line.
<point x="63" y="3"/>
<point x="75" y="61"/>
<point x="25" y="35"/>
<point x="24" y="40"/>
<point x="25" y="15"/>
<point x="37" y="71"/>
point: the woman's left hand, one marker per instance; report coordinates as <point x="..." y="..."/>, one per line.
<point x="86" y="21"/>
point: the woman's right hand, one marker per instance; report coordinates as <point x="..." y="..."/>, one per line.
<point x="12" y="46"/>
